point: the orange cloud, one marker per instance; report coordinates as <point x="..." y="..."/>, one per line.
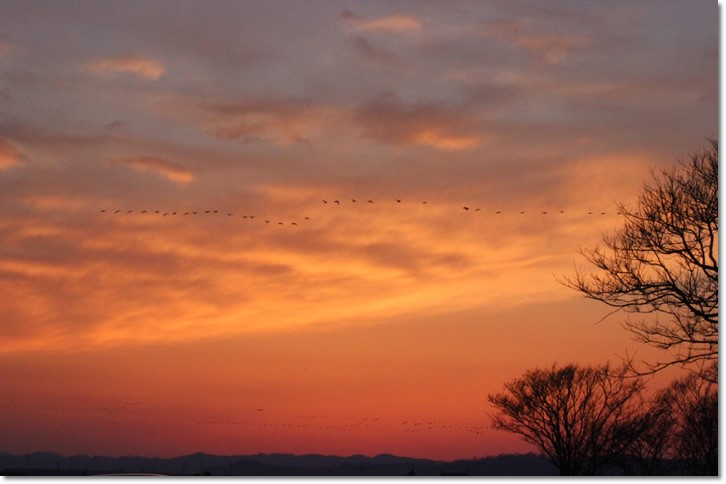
<point x="135" y="65"/>
<point x="443" y="141"/>
<point x="9" y="155"/>
<point x="168" y="169"/>
<point x="143" y="278"/>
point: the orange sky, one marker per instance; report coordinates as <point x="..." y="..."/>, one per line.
<point x="333" y="328"/>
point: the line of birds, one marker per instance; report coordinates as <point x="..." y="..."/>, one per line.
<point x="178" y="212"/>
<point x="303" y="421"/>
<point x="364" y="423"/>
<point x="338" y="202"/>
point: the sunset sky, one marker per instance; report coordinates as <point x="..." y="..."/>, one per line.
<point x="334" y="328"/>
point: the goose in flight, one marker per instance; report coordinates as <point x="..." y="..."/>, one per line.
<point x="497" y="212"/>
<point x="354" y="200"/>
<point x="103" y="210"/>
<point x="370" y="201"/>
<point x="466" y="208"/>
<point x="336" y="201"/>
<point x="398" y="200"/>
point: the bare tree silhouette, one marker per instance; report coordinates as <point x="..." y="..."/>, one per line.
<point x="582" y="418"/>
<point x="695" y="404"/>
<point x="664" y="261"/>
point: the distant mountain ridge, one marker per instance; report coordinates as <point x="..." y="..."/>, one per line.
<point x="52" y="464"/>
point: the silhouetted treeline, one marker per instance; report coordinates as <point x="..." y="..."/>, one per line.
<point x="594" y="420"/>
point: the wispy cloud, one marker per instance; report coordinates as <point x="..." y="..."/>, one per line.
<point x="169" y="169"/>
<point x="9" y="155"/>
<point x="6" y="49"/>
<point x="281" y="122"/>
<point x="392" y="121"/>
<point x="391" y="24"/>
<point x="131" y="64"/>
<point x="553" y="48"/>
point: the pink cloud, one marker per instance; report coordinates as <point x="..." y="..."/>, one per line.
<point x="168" y="169"/>
<point x="127" y="64"/>
<point x="392" y="24"/>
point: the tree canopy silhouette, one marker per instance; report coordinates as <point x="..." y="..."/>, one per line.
<point x="664" y="261"/>
<point x="581" y="417"/>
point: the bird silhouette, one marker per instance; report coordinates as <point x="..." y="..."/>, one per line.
<point x="165" y="214"/>
<point x="398" y="200"/>
<point x="544" y="213"/>
<point x="307" y="218"/>
<point x="103" y="210"/>
<point x="466" y="208"/>
<point x="370" y="201"/>
<point x="497" y="212"/>
<point x="293" y="223"/>
<point x="336" y="201"/>
<point x="478" y="209"/>
<point x="424" y="203"/>
<point x="354" y="200"/>
<point x="267" y="221"/>
<point x="325" y="201"/>
<point x="144" y="211"/>
<point x="129" y="211"/>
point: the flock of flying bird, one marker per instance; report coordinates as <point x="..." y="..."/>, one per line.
<point x="337" y="202"/>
